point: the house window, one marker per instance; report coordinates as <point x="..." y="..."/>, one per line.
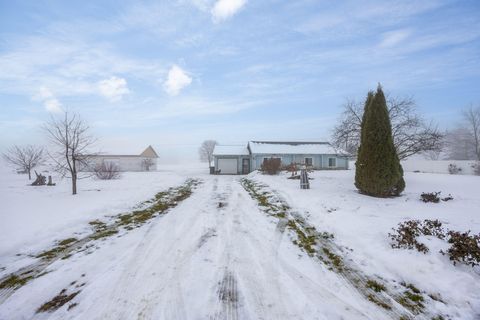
<point x="309" y="162"/>
<point x="268" y="158"/>
<point x="332" y="162"/>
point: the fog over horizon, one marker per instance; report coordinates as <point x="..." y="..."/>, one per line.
<point x="172" y="74"/>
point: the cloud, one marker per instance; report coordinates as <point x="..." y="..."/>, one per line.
<point x="49" y="101"/>
<point x="177" y="79"/>
<point x="53" y="105"/>
<point x="113" y="88"/>
<point x="224" y="9"/>
<point x="392" y="38"/>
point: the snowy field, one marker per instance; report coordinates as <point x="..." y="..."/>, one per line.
<point x="216" y="255"/>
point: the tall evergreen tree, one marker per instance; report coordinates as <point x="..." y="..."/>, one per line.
<point x="378" y="170"/>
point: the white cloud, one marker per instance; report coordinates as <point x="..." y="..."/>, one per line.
<point x="113" y="88"/>
<point x="177" y="79"/>
<point x="49" y="101"/>
<point x="53" y="105"/>
<point x="224" y="9"/>
<point x="392" y="38"/>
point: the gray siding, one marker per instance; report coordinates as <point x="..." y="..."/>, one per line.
<point x="320" y="161"/>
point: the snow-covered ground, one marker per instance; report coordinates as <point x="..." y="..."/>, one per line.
<point x="218" y="256"/>
<point x="362" y="223"/>
<point x="32" y="218"/>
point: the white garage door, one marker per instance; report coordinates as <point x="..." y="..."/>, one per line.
<point x="227" y="166"/>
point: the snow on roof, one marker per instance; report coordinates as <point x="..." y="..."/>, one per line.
<point x="230" y="150"/>
<point x="147" y="153"/>
<point x="293" y="147"/>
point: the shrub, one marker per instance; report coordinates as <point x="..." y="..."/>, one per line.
<point x="464" y="248"/>
<point x="271" y="166"/>
<point x="476" y="168"/>
<point x="406" y="234"/>
<point x="430" y="197"/>
<point x="433" y="228"/>
<point x="107" y="171"/>
<point x="447" y="198"/>
<point x="434" y="197"/>
<point x="454" y="169"/>
<point x="378" y="170"/>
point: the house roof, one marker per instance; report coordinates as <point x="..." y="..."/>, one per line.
<point x="147" y="153"/>
<point x="230" y="150"/>
<point x="292" y="147"/>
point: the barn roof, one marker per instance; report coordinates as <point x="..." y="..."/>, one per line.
<point x="147" y="153"/>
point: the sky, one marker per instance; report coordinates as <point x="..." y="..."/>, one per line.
<point x="174" y="73"/>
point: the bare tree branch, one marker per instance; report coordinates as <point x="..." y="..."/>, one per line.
<point x="71" y="143"/>
<point x="463" y="142"/>
<point x="411" y="135"/>
<point x="147" y="163"/>
<point x="206" y="151"/>
<point x="25" y="158"/>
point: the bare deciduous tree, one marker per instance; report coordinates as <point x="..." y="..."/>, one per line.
<point x="463" y="142"/>
<point x="25" y="158"/>
<point x="147" y="163"/>
<point x="472" y="120"/>
<point x="411" y="134"/>
<point x="107" y="171"/>
<point x="71" y="141"/>
<point x="206" y="151"/>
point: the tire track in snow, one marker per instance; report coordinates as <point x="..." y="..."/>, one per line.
<point x="164" y="257"/>
<point x="264" y="280"/>
<point x="176" y="250"/>
<point x="206" y="261"/>
<point x="275" y="206"/>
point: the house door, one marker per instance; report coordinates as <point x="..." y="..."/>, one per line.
<point x="245" y="166"/>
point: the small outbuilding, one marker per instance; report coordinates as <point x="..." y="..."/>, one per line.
<point x="237" y="159"/>
<point x="145" y="161"/>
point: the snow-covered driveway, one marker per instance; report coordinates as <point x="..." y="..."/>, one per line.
<point x="214" y="256"/>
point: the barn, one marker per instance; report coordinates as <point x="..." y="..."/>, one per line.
<point x="145" y="161"/>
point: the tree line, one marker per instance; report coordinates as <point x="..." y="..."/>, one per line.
<point x="411" y="133"/>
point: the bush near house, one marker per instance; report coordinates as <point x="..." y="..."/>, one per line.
<point x="107" y="171"/>
<point x="271" y="166"/>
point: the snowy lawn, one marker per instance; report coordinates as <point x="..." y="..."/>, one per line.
<point x="362" y="223"/>
<point x="34" y="217"/>
<point x="217" y="255"/>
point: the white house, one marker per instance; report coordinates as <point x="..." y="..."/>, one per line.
<point x="145" y="161"/>
<point x="245" y="159"/>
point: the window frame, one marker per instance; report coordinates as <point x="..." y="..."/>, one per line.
<point x="305" y="161"/>
<point x="268" y="158"/>
<point x="334" y="160"/>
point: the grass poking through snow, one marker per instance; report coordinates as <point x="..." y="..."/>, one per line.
<point x="400" y="304"/>
<point x="64" y="249"/>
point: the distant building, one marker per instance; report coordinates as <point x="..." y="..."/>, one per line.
<point x="245" y="159"/>
<point x="145" y="161"/>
